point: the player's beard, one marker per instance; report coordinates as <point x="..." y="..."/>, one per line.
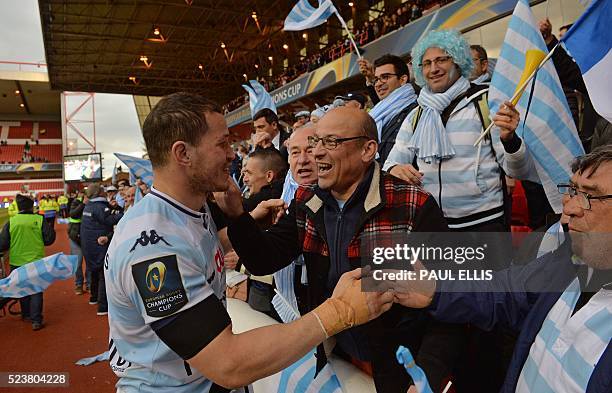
<point x="205" y="180"/>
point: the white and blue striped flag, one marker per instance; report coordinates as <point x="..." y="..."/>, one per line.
<point x="304" y="16"/>
<point x="138" y="167"/>
<point x="35" y="277"/>
<point x="590" y="43"/>
<point x="259" y="98"/>
<point x="300" y="377"/>
<point x="285" y="301"/>
<point x="549" y="131"/>
<point x="405" y="358"/>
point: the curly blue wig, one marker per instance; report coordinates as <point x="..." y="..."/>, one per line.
<point x="450" y="41"/>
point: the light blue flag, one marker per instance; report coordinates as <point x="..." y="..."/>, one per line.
<point x="138" y="167"/>
<point x="391" y="105"/>
<point x="103" y="357"/>
<point x="549" y="132"/>
<point x="300" y="377"/>
<point x="259" y="98"/>
<point x="594" y="59"/>
<point x="285" y="301"/>
<point x="114" y="175"/>
<point x="36" y="276"/>
<point x="405" y="358"/>
<point x="304" y="16"/>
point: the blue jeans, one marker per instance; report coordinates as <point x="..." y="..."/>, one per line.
<point x="31" y="306"/>
<point x="75" y="249"/>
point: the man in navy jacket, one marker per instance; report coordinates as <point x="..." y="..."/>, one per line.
<point x="561" y="303"/>
<point x="96" y="231"/>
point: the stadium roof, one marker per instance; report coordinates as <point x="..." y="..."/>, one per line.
<point x="154" y="47"/>
<point x="27" y="95"/>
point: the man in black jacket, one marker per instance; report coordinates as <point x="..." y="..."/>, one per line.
<point x="353" y="200"/>
<point x="74" y="234"/>
<point x="264" y="174"/>
<point x="96" y="231"/>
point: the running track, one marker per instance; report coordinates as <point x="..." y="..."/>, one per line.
<point x="72" y="331"/>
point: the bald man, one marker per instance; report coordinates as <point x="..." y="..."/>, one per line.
<point x="353" y="199"/>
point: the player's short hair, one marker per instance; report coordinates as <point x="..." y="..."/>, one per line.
<point x="177" y="117"/>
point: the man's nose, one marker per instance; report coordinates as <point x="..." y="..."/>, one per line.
<point x="571" y="206"/>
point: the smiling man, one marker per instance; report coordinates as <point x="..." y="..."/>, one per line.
<point x="390" y="79"/>
<point x="353" y="200"/>
<point x="169" y="329"/>
<point x="561" y="303"/>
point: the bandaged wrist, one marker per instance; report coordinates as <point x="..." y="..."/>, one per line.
<point x="334" y="316"/>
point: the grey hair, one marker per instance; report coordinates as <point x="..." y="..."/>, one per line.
<point x="593" y="160"/>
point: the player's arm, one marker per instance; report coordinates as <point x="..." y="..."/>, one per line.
<point x="202" y="335"/>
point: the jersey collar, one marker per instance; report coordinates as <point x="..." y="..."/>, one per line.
<point x="176" y="204"/>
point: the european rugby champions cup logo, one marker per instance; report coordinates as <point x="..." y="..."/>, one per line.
<point x="156" y="275"/>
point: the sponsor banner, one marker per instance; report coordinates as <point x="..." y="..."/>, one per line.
<point x="31" y="167"/>
<point x="459" y="15"/>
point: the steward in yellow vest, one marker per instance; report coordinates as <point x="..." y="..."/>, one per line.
<point x="25" y="235"/>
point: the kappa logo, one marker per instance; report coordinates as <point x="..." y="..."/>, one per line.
<point x="152" y="238"/>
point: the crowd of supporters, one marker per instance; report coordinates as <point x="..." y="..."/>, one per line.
<point x="386" y="22"/>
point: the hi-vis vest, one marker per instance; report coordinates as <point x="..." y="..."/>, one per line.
<point x="26" y="239"/>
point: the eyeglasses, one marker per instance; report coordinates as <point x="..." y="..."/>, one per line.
<point x="437" y="61"/>
<point x="583" y="198"/>
<point x="475" y="59"/>
<point x="331" y="142"/>
<point x="383" y="78"/>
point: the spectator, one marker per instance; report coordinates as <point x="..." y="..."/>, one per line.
<point x="74" y="235"/>
<point x="25" y="235"/>
<point x="130" y="192"/>
<point x="96" y="231"/>
<point x="435" y="139"/>
<point x="269" y="132"/>
<point x="480" y="73"/>
<point x="324" y="222"/>
<point x="388" y="75"/>
<point x="559" y="303"/>
<point x="264" y="175"/>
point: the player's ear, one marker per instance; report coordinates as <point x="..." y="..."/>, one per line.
<point x="181" y="153"/>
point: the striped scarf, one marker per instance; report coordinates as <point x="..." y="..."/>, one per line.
<point x="388" y="107"/>
<point x="430" y="141"/>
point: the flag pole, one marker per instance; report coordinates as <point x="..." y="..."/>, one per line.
<point x="519" y="92"/>
<point x="350" y="35"/>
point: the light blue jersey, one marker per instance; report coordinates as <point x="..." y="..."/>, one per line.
<point x="163" y="259"/>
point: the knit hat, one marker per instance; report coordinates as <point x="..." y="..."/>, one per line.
<point x="24" y="203"/>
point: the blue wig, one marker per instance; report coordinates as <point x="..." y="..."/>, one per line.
<point x="450" y="41"/>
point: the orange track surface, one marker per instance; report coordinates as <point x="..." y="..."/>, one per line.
<point x="72" y="331"/>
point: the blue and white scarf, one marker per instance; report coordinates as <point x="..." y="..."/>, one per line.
<point x="430" y="142"/>
<point x="390" y="106"/>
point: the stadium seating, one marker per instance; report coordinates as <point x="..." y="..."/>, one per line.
<point x="51" y="153"/>
<point x="11" y="154"/>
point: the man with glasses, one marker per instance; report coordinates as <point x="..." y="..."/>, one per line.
<point x="480" y="73"/>
<point x="435" y="149"/>
<point x="353" y="200"/>
<point x="561" y="303"/>
<point x="394" y="99"/>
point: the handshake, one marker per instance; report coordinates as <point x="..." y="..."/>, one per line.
<point x="350" y="305"/>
